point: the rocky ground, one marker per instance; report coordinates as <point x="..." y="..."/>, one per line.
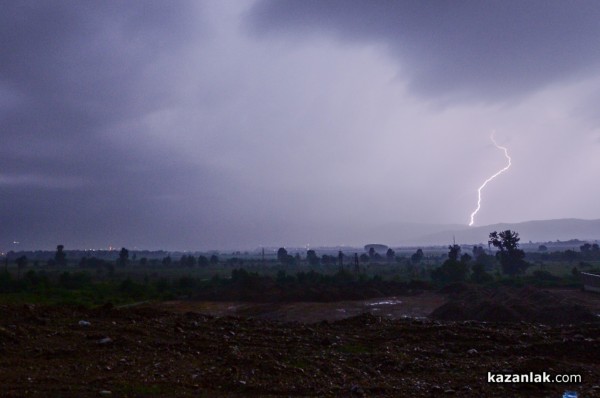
<point x="151" y="352"/>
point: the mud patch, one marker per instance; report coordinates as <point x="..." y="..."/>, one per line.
<point x="414" y="306"/>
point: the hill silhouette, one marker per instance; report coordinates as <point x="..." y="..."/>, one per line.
<point x="535" y="231"/>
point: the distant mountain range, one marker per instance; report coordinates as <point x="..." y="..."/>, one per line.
<point x="535" y="231"/>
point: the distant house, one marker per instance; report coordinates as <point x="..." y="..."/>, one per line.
<point x="379" y="248"/>
<point x="591" y="282"/>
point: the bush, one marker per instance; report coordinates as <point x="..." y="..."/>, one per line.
<point x="480" y="275"/>
<point x="545" y="276"/>
<point x="451" y="271"/>
<point x="77" y="280"/>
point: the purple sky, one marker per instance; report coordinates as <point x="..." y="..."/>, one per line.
<point x="236" y="124"/>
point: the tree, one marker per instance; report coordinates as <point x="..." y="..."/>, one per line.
<point x="312" y="258"/>
<point x="453" y="252"/>
<point x="452" y="270"/>
<point x="479" y="275"/>
<point x="585" y="248"/>
<point x="214" y="259"/>
<point x="60" y="258"/>
<point x="123" y="257"/>
<point x="390" y="255"/>
<point x="510" y="256"/>
<point x="284" y="258"/>
<point x="542" y="248"/>
<point x="21" y="263"/>
<point x="570" y="255"/>
<point x="417" y="256"/>
<point x="191" y="261"/>
<point x="465" y="258"/>
<point x="187" y="261"/>
<point x="291" y="260"/>
<point x="202" y="261"/>
<point x="478" y="251"/>
<point x="282" y="255"/>
<point x="372" y="252"/>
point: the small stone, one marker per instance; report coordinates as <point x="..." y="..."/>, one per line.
<point x="106" y="340"/>
<point x="357" y="390"/>
<point x="449" y="391"/>
<point x="105" y="393"/>
<point x="472" y="351"/>
<point x="84" y="323"/>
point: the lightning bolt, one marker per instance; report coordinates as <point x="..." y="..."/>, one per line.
<point x="491" y="178"/>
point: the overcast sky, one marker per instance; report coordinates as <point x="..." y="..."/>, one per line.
<point x="235" y="124"/>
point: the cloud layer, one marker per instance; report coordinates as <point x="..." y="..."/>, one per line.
<point x="487" y="50"/>
<point x="233" y="125"/>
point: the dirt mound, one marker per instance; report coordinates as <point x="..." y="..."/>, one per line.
<point x="528" y="304"/>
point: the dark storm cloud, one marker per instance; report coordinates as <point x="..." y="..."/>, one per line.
<point x="81" y="61"/>
<point x="71" y="73"/>
<point x="487" y="49"/>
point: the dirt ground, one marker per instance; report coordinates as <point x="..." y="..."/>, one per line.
<point x="168" y="350"/>
<point x="395" y="307"/>
<point x="417" y="306"/>
<point x="590" y="300"/>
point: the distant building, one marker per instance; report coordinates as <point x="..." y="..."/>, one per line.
<point x="591" y="282"/>
<point x="379" y="248"/>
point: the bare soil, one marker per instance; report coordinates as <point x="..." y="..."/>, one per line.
<point x="527" y="304"/>
<point x="395" y="307"/>
<point x="170" y="350"/>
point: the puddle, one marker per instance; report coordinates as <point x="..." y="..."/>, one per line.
<point x="386" y="302"/>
